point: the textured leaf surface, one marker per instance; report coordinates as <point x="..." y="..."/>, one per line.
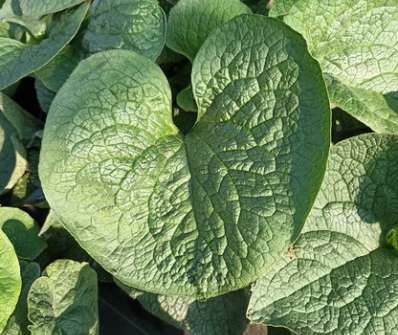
<point x="64" y="300"/>
<point x="192" y="21"/>
<point x="339" y="277"/>
<point x="18" y="323"/>
<point x="10" y="280"/>
<point x="22" y="231"/>
<point x="18" y="60"/>
<point x="25" y="124"/>
<point x="200" y="214"/>
<point x="356" y="43"/>
<point x="12" y="155"/>
<point x="223" y="315"/>
<point x="138" y="25"/>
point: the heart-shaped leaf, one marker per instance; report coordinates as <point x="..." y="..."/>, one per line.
<point x="64" y="300"/>
<point x="356" y="44"/>
<point x="339" y="277"/>
<point x="10" y="280"/>
<point x="200" y="214"/>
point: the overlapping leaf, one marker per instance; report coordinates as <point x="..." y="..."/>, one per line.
<point x="340" y="277"/>
<point x="356" y="45"/>
<point x="203" y="214"/>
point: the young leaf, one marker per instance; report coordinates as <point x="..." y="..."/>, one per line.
<point x="339" y="277"/>
<point x="186" y="100"/>
<point x="22" y="231"/>
<point x="223" y="315"/>
<point x="192" y="21"/>
<point x="10" y="283"/>
<point x="205" y="213"/>
<point x="138" y="25"/>
<point x="356" y="44"/>
<point x="18" y="60"/>
<point x="18" y="323"/>
<point x="64" y="300"/>
<point x="12" y="155"/>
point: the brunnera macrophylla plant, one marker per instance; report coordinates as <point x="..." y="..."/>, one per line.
<point x="247" y="216"/>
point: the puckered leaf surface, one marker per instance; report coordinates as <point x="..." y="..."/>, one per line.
<point x="340" y="277"/>
<point x="64" y="300"/>
<point x="200" y="214"/>
<point x="356" y="43"/>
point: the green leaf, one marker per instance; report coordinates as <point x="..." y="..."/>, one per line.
<point x="10" y="283"/>
<point x="186" y="100"/>
<point x="25" y="124"/>
<point x="356" y="45"/>
<point x="18" y="60"/>
<point x="44" y="95"/>
<point x="18" y="323"/>
<point x="39" y="8"/>
<point x="138" y="25"/>
<point x="192" y="21"/>
<point x="340" y="277"/>
<point x="64" y="300"/>
<point x="205" y="213"/>
<point x="12" y="155"/>
<point x="55" y="73"/>
<point x="223" y="315"/>
<point x="22" y="231"/>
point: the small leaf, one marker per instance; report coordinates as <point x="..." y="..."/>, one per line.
<point x="186" y="100"/>
<point x="205" y="213"/>
<point x="138" y="25"/>
<point x="19" y="60"/>
<point x="10" y="283"/>
<point x="339" y="266"/>
<point x="44" y="96"/>
<point x="192" y="21"/>
<point x="22" y="231"/>
<point x="64" y="300"/>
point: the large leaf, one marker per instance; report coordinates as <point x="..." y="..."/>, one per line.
<point x="191" y="22"/>
<point x="18" y="323"/>
<point x="339" y="277"/>
<point x="64" y="300"/>
<point x="200" y="214"/>
<point x="223" y="315"/>
<point x="12" y="155"/>
<point x="22" y="231"/>
<point x="356" y="43"/>
<point x="18" y="60"/>
<point x="10" y="280"/>
<point x="138" y="25"/>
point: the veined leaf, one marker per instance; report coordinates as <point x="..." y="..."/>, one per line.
<point x="138" y="25"/>
<point x="192" y="21"/>
<point x="356" y="44"/>
<point x="200" y="214"/>
<point x="64" y="300"/>
<point x="18" y="60"/>
<point x="10" y="283"/>
<point x="340" y="277"/>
